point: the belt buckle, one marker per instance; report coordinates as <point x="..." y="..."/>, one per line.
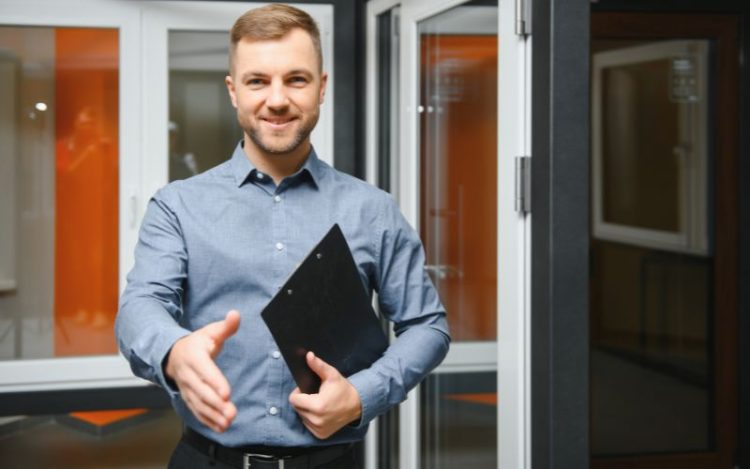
<point x="246" y="464"/>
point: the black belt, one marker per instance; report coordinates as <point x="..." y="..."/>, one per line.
<point x="255" y="458"/>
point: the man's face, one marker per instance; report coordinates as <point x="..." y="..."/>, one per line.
<point x="277" y="88"/>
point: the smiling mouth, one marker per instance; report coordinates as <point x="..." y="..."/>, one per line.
<point x="278" y="123"/>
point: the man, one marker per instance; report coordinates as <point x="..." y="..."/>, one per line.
<point x="226" y="240"/>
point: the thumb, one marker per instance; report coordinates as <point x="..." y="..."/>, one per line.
<point x="220" y="331"/>
<point x="321" y="368"/>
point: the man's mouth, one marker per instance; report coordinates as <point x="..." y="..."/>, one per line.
<point x="278" y="122"/>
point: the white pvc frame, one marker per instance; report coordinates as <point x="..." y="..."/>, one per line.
<point x="510" y="355"/>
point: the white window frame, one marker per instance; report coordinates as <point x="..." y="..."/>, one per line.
<point x="510" y="354"/>
<point x="143" y="117"/>
<point x="110" y="370"/>
<point x="692" y="236"/>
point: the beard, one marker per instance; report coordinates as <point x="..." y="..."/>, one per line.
<point x="280" y="145"/>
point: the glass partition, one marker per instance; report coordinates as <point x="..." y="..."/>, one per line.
<point x="458" y="420"/>
<point x="458" y="155"/>
<point x="59" y="155"/>
<point x="652" y="284"/>
<point x="203" y="128"/>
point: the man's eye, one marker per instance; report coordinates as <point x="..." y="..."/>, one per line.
<point x="254" y="82"/>
<point x="298" y="80"/>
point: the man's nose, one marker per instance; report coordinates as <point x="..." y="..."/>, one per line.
<point x="277" y="97"/>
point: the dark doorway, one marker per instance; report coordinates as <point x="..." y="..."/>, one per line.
<point x="664" y="250"/>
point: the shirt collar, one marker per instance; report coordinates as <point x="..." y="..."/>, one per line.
<point x="242" y="168"/>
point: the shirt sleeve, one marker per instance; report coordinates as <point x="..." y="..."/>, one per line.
<point x="408" y="298"/>
<point x="150" y="307"/>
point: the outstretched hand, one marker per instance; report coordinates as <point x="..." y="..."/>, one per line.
<point x="336" y="404"/>
<point x="190" y="363"/>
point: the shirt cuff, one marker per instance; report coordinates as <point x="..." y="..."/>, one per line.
<point x="373" y="397"/>
<point x="160" y="351"/>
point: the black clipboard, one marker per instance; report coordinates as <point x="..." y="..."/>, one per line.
<point x="324" y="308"/>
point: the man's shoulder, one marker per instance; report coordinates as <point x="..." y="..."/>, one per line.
<point x="343" y="181"/>
<point x="198" y="185"/>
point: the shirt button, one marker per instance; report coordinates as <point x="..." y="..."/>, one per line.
<point x="273" y="411"/>
<point x="277" y="198"/>
<point x="259" y="175"/>
<point x="276" y="354"/>
<point x="279" y="246"/>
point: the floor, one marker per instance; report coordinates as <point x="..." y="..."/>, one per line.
<point x="56" y="442"/>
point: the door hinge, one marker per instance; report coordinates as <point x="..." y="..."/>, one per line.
<point x="523" y="184"/>
<point x="523" y="22"/>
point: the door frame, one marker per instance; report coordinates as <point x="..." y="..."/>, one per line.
<point x="510" y="353"/>
<point x="560" y="237"/>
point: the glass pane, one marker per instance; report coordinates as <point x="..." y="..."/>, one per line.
<point x="132" y="438"/>
<point x="652" y="310"/>
<point x="203" y="129"/>
<point x="641" y="135"/>
<point x="459" y="420"/>
<point x="458" y="154"/>
<point x="59" y="155"/>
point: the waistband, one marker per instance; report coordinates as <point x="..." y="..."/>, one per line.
<point x="266" y="457"/>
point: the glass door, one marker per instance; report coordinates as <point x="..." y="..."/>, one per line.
<point x="462" y="113"/>
<point x="664" y="289"/>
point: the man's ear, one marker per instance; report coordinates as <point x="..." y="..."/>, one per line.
<point x="323" y="83"/>
<point x="230" y="88"/>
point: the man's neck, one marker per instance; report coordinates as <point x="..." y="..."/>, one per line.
<point x="277" y="166"/>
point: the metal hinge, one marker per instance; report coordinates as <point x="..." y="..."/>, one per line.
<point x="523" y="22"/>
<point x="523" y="184"/>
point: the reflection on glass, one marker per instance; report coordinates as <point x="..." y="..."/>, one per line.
<point x="132" y="438"/>
<point x="650" y="120"/>
<point x="203" y="129"/>
<point x="458" y="154"/>
<point x="60" y="144"/>
<point x="641" y="132"/>
<point x="458" y="418"/>
<point x="651" y="308"/>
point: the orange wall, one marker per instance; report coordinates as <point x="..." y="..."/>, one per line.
<point x="86" y="190"/>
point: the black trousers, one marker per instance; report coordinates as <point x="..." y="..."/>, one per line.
<point x="187" y="457"/>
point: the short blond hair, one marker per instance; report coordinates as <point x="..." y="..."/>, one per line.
<point x="270" y="22"/>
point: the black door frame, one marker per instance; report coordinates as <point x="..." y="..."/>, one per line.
<point x="560" y="233"/>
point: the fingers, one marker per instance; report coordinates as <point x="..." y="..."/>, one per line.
<point x="321" y="368"/>
<point x="205" y="403"/>
<point x="212" y="376"/>
<point x="303" y="402"/>
<point x="203" y="386"/>
<point x="220" y="331"/>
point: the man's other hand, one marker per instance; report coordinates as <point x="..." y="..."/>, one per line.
<point x="336" y="404"/>
<point x="190" y="363"/>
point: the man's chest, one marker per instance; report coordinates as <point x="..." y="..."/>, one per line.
<point x="255" y="242"/>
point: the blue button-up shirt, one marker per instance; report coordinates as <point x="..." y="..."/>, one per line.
<point x="228" y="239"/>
